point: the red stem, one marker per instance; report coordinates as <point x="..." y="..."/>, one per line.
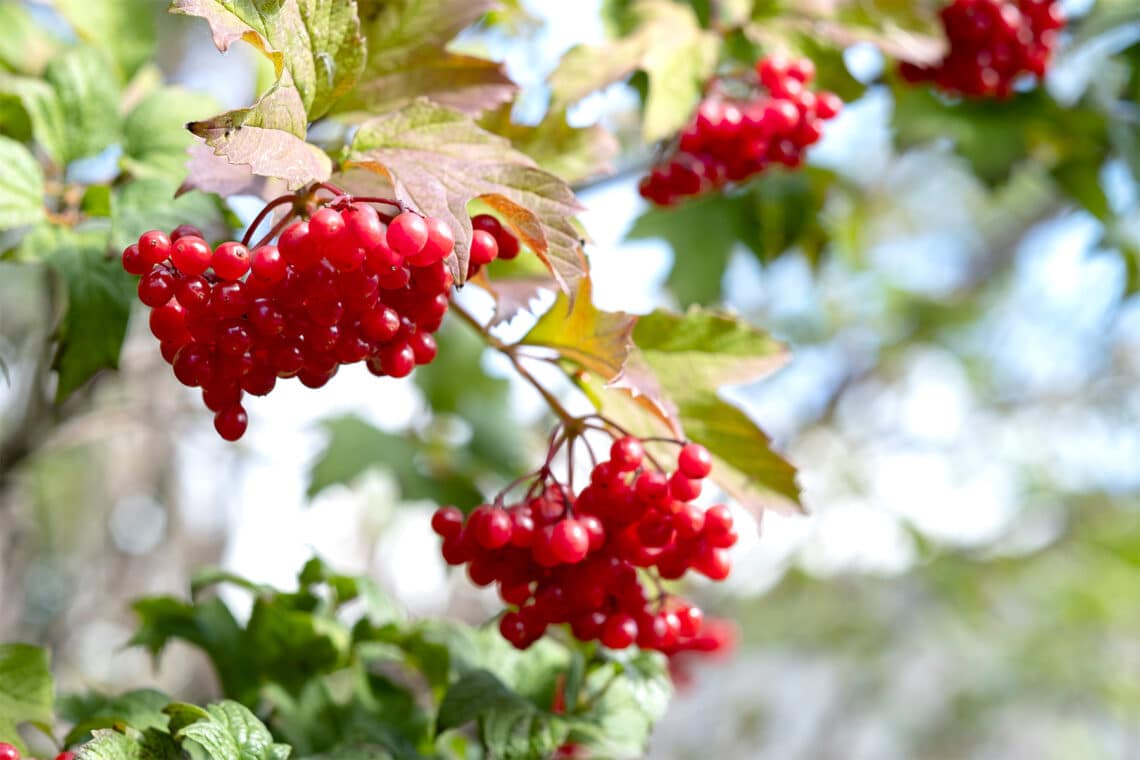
<point x="264" y="213"/>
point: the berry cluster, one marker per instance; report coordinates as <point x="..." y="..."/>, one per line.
<point x="490" y="240"/>
<point x="585" y="560"/>
<point x="993" y="43"/>
<point x="345" y="286"/>
<point x="731" y="139"/>
<point x="11" y="752"/>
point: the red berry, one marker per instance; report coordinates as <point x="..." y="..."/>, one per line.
<point x="156" y="287"/>
<point x="440" y="242"/>
<point x="694" y="461"/>
<point x="423" y="346"/>
<point x="626" y="454"/>
<point x="267" y="264"/>
<point x="484" y="248"/>
<point x="363" y="226"/>
<point x="185" y="230"/>
<point x="133" y="261"/>
<point x="168" y="322"/>
<point x="620" y="631"/>
<point x="569" y="541"/>
<point x="230" y="261"/>
<point x="231" y="422"/>
<point x="407" y="234"/>
<point x="296" y="246"/>
<point x="447" y="521"/>
<point x="154" y="247"/>
<point x="191" y="255"/>
<point x="326" y="228"/>
<point x="8" y="752"/>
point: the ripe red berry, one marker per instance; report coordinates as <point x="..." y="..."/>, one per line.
<point x="190" y="255"/>
<point x="493" y="529"/>
<point x="267" y="264"/>
<point x="185" y="230"/>
<point x="156" y="287"/>
<point x="447" y="521"/>
<point x="8" y="752"/>
<point x="325" y="228"/>
<point x="230" y="261"/>
<point x="569" y="541"/>
<point x="231" y="422"/>
<point x="484" y="249"/>
<point x="694" y="461"/>
<point x="154" y="247"/>
<point x="440" y="242"/>
<point x="133" y="261"/>
<point x="626" y="453"/>
<point x="363" y="226"/>
<point x="65" y="756"/>
<point x="407" y="234"/>
<point x="620" y="631"/>
<point x="168" y="322"/>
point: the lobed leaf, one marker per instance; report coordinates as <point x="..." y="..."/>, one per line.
<point x="599" y="341"/>
<point x="438" y="161"/>
<point x="225" y="731"/>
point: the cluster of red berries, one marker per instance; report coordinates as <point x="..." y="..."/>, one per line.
<point x="345" y="286"/>
<point x="731" y="139"/>
<point x="490" y="240"/>
<point x="585" y="560"/>
<point x="993" y="43"/>
<point x="10" y="752"/>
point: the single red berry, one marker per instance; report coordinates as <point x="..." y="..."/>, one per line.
<point x="297" y="247"/>
<point x="423" y="347"/>
<point x="447" y="521"/>
<point x="156" y="287"/>
<point x="380" y="324"/>
<point x="440" y="242"/>
<point x="690" y="618"/>
<point x="407" y="234"/>
<point x="620" y="631"/>
<point x="231" y="422"/>
<point x="694" y="461"/>
<point x="569" y="541"/>
<point x="508" y="245"/>
<point x="191" y="255"/>
<point x="133" y="261"/>
<point x="168" y="322"/>
<point x="267" y="264"/>
<point x="363" y="226"/>
<point x="8" y="752"/>
<point x="230" y="261"/>
<point x="493" y="531"/>
<point x="185" y="230"/>
<point x="155" y="247"/>
<point x="193" y="292"/>
<point x="65" y="756"/>
<point x="397" y="360"/>
<point x="484" y="248"/>
<point x="326" y="228"/>
<point x="626" y="453"/>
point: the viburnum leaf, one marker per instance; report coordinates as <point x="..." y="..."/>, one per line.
<point x="597" y="340"/>
<point x="154" y="138"/>
<point x="21" y="186"/>
<point x="572" y="153"/>
<point x="125" y="29"/>
<point x="318" y="42"/>
<point x="268" y="137"/>
<point x="36" y="104"/>
<point x="87" y="90"/>
<point x="670" y="388"/>
<point x="225" y="731"/>
<point x="107" y="744"/>
<point x="667" y="43"/>
<point x="396" y="29"/>
<point x="211" y="173"/>
<point x="438" y="160"/>
<point x="26" y="689"/>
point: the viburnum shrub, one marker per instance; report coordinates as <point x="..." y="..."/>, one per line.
<point x="596" y="559"/>
<point x="993" y="45"/>
<point x="745" y="124"/>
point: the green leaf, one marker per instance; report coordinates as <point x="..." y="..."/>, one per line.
<point x="510" y="726"/>
<point x="318" y="42"/>
<point x="25" y="47"/>
<point x="438" y="160"/>
<point x="88" y="92"/>
<point x="36" y="104"/>
<point x="228" y="731"/>
<point x="112" y="745"/>
<point x="355" y="446"/>
<point x="147" y="204"/>
<point x="124" y="29"/>
<point x="268" y="137"/>
<point x="26" y="689"/>
<point x="141" y="710"/>
<point x="21" y="186"/>
<point x="572" y="153"/>
<point x="668" y="44"/>
<point x="208" y="625"/>
<point x="99" y="298"/>
<point x="407" y="57"/>
<point x="475" y="694"/>
<point x="1081" y="181"/>
<point x="154" y="135"/>
<point x="631" y="705"/>
<point x="597" y="340"/>
<point x="290" y="647"/>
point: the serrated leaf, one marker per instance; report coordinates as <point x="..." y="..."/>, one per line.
<point x="668" y="44"/>
<point x="99" y="297"/>
<point x="26" y="687"/>
<point x="112" y="745"/>
<point x="356" y="446"/>
<point x="510" y="726"/>
<point x="87" y="88"/>
<point x="154" y="136"/>
<point x="268" y="137"/>
<point x="318" y="42"/>
<point x="477" y="693"/>
<point x="21" y="186"/>
<point x="438" y="161"/>
<point x="398" y="29"/>
<point x="125" y="29"/>
<point x="631" y="705"/>
<point x="140" y="710"/>
<point x="572" y="153"/>
<point x="229" y="731"/>
<point x="25" y="47"/>
<point x="597" y="340"/>
<point x="39" y="107"/>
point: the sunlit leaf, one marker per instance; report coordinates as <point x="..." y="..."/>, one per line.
<point x="577" y="330"/>
<point x="21" y="186"/>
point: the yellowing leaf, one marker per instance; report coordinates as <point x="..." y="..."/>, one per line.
<point x="597" y="340"/>
<point x="438" y="160"/>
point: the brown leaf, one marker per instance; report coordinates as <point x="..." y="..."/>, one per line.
<point x="464" y="82"/>
<point x="211" y="173"/>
